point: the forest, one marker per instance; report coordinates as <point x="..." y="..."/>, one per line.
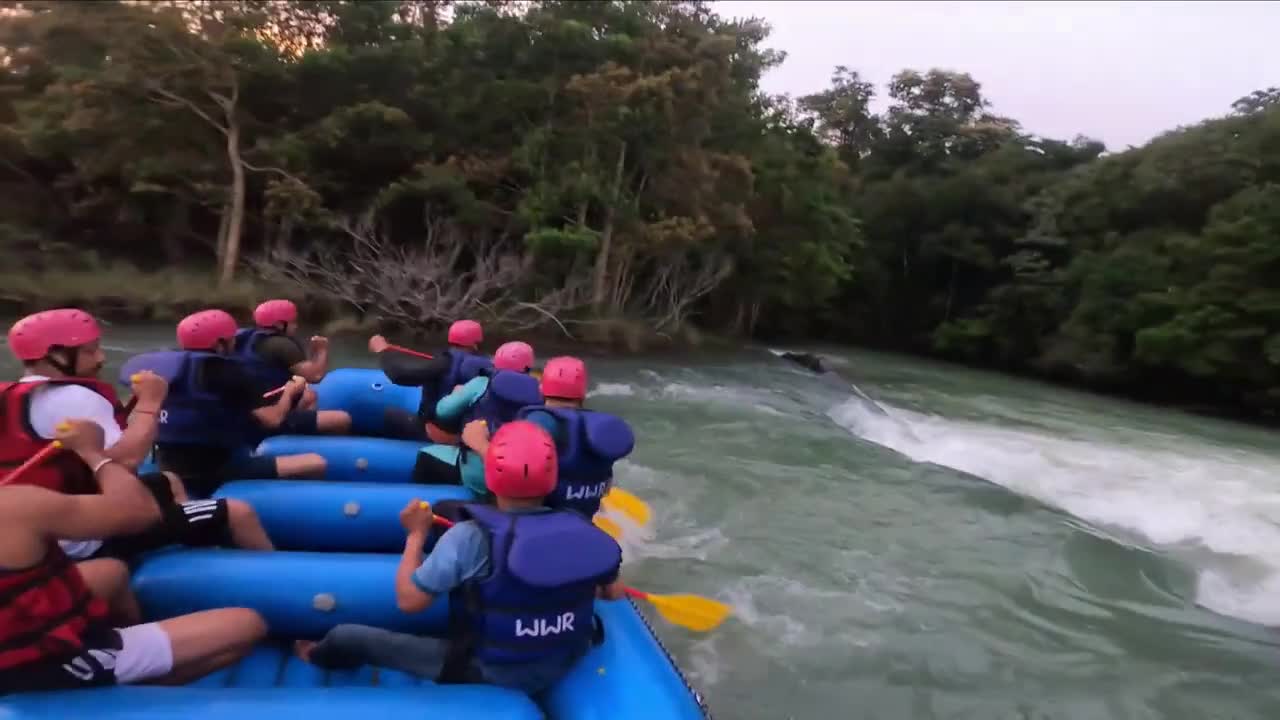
<point x="579" y="167"/>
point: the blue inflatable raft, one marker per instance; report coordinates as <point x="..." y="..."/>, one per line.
<point x="365" y="394"/>
<point x="629" y="676"/>
<point x="303" y="593"/>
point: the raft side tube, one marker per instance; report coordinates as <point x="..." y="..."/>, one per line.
<point x="365" y="393"/>
<point x="301" y="595"/>
<point x="335" y="516"/>
<point x="361" y="459"/>
<point x="135" y="702"/>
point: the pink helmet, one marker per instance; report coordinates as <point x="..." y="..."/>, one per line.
<point x="520" y="461"/>
<point x="565" y="378"/>
<point x="203" y="330"/>
<point x="31" y="337"/>
<point x="274" y="312"/>
<point x="466" y="333"/>
<point x="516" y="356"/>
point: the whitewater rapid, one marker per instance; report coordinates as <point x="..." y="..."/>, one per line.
<point x="1215" y="508"/>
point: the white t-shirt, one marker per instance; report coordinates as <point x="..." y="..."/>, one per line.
<point x="52" y="405"/>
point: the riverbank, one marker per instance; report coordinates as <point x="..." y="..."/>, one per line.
<point x="124" y="293"/>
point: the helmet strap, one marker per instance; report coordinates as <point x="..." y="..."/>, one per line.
<point x="68" y="369"/>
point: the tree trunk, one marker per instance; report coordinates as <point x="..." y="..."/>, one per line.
<point x="220" y="249"/>
<point x="606" y="235"/>
<point x="235" y="223"/>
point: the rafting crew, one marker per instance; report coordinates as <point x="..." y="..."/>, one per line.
<point x="273" y="354"/>
<point x="520" y="578"/>
<point x="57" y="629"/>
<point x="61" y="353"/>
<point x="490" y="399"/>
<point x="437" y="377"/>
<point x="217" y="410"/>
<point x="66" y="624"/>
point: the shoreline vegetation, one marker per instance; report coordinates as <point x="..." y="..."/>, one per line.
<point x="613" y="169"/>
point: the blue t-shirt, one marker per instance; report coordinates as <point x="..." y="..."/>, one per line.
<point x="450" y="408"/>
<point x="461" y="554"/>
<point x="544" y="420"/>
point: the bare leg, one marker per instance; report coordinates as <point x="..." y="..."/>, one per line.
<point x="294" y="466"/>
<point x="246" y="529"/>
<point x="108" y="578"/>
<point x="206" y="641"/>
<point x="333" y="422"/>
<point x="177" y="488"/>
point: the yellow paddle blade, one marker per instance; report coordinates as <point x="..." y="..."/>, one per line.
<point x="697" y="613"/>
<point x="629" y="505"/>
<point x="608" y="526"/>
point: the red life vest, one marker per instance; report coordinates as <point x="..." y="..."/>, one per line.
<point x="63" y="472"/>
<point x="45" y="611"/>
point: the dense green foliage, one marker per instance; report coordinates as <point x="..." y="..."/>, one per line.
<point x="574" y="162"/>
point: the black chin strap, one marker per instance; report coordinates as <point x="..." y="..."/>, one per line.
<point x="68" y="369"/>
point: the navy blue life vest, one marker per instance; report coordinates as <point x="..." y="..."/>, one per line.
<point x="588" y="443"/>
<point x="264" y="371"/>
<point x="463" y="368"/>
<point x="191" y="415"/>
<point x="508" y="391"/>
<point x="537" y="600"/>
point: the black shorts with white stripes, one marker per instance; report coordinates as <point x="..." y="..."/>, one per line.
<point x="198" y="523"/>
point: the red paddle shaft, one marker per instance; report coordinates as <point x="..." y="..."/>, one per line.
<point x="31" y="462"/>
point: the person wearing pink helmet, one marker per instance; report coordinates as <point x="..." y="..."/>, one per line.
<point x="274" y="355"/>
<point x="61" y="352"/>
<point x="274" y="339"/>
<point x="217" y="413"/>
<point x="589" y="442"/>
<point x="453" y="366"/>
<point x="59" y="618"/>
<point x="477" y="408"/>
<point x="524" y="609"/>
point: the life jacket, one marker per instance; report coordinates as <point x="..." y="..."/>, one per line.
<point x="265" y="373"/>
<point x="63" y="471"/>
<point x="45" y="611"/>
<point x="537" y="600"/>
<point x="463" y="368"/>
<point x="191" y="415"/>
<point x="588" y="443"/>
<point x="507" y="392"/>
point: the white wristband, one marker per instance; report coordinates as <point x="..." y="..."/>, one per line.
<point x="99" y="465"/>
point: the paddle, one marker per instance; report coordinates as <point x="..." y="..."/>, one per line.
<point x="627" y="504"/>
<point x="697" y="613"/>
<point x="32" y="461"/>
<point x="407" y="351"/>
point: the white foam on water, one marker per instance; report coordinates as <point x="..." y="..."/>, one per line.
<point x="1215" y="507"/>
<point x="613" y="389"/>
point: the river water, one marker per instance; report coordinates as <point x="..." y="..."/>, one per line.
<point x="989" y="548"/>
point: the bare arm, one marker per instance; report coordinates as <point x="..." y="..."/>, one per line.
<point x="138" y="438"/>
<point x="409" y="597"/>
<point x="613" y="591"/>
<point x="313" y="369"/>
<point x="135" y="443"/>
<point x="271" y="416"/>
<point x="124" y="506"/>
<point x="317" y="362"/>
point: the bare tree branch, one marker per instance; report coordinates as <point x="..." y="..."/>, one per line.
<point x="450" y="275"/>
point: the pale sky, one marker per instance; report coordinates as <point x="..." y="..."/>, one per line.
<point x="1122" y="72"/>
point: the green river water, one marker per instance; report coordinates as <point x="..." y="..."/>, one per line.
<point x="990" y="548"/>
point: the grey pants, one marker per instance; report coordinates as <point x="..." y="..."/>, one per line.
<point x="350" y="646"/>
